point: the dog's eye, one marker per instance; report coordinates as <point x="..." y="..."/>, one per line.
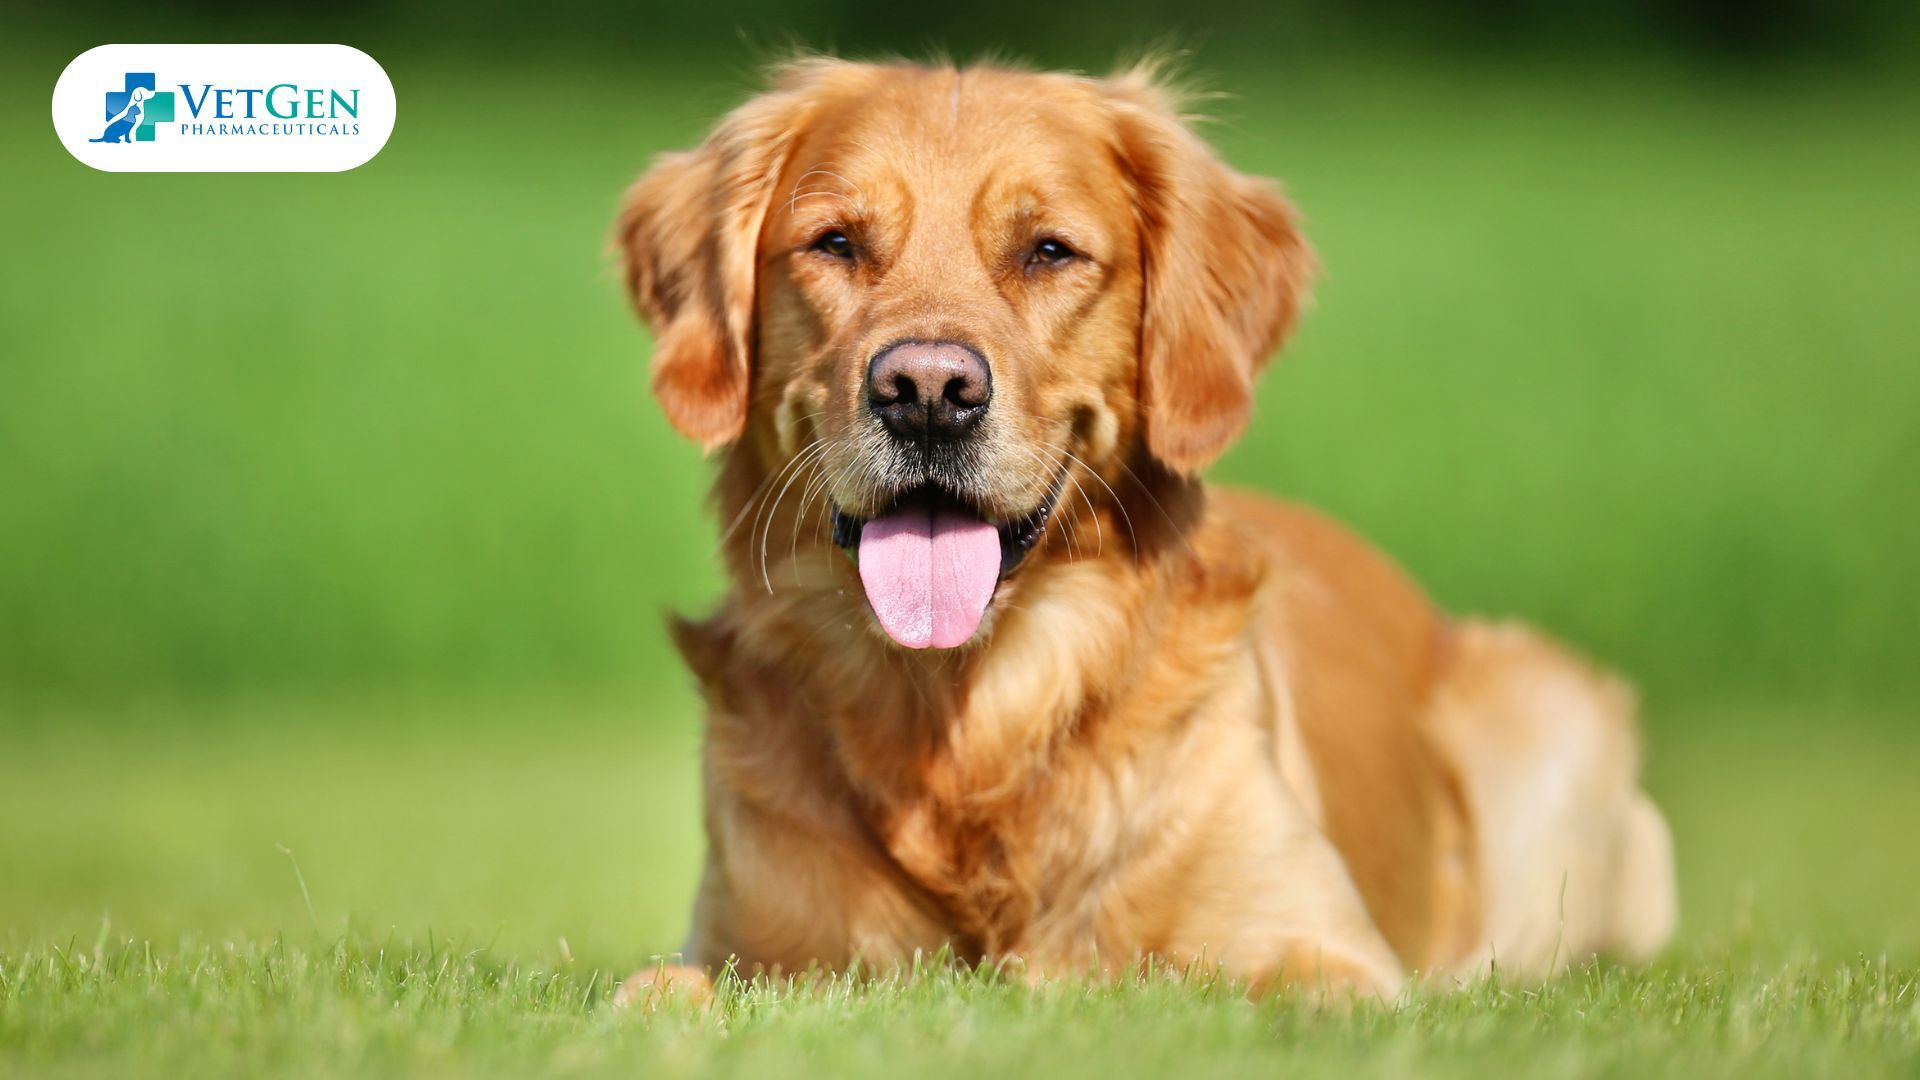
<point x="1049" y="252"/>
<point x="834" y="243"/>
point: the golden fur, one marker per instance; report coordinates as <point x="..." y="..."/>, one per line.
<point x="1198" y="726"/>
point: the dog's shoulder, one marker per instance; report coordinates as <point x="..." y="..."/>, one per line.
<point x="1361" y="646"/>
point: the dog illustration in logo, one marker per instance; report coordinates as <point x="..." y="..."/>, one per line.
<point x="120" y="130"/>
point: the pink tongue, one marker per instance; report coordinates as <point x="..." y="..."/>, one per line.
<point x="929" y="574"/>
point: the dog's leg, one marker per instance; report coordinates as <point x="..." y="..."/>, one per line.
<point x="651" y="988"/>
<point x="1574" y="858"/>
<point x="1646" y="902"/>
<point x="1269" y="900"/>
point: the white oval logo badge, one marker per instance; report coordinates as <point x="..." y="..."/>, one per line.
<point x="223" y="108"/>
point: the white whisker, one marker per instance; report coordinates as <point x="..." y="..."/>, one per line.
<point x="759" y="492"/>
<point x="817" y="449"/>
<point x="1133" y="538"/>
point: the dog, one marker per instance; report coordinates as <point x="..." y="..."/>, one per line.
<point x="997" y="673"/>
<point x="121" y="130"/>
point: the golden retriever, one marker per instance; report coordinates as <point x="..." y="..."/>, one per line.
<point x="997" y="673"/>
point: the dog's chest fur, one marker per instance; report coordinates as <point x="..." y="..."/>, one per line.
<point x="976" y="861"/>
<point x="1016" y="792"/>
<point x="1011" y="842"/>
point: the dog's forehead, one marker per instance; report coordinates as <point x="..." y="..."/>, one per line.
<point x="931" y="128"/>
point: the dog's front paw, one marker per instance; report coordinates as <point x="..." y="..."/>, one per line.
<point x="652" y="987"/>
<point x="1332" y="976"/>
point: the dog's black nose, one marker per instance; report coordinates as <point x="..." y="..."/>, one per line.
<point x="929" y="389"/>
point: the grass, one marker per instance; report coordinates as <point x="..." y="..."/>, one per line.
<point x="333" y="516"/>
<point x="358" y="1007"/>
<point x="479" y="885"/>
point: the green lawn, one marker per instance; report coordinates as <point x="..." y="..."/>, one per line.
<point x="333" y="516"/>
<point x="479" y="885"/>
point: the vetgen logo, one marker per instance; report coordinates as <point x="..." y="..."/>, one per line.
<point x="132" y="111"/>
<point x="223" y="108"/>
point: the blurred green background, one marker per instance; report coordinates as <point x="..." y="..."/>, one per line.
<point x="333" y="511"/>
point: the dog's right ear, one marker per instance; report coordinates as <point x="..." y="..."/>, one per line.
<point x="688" y="235"/>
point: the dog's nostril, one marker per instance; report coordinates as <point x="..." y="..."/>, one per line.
<point x="966" y="392"/>
<point x="902" y="392"/>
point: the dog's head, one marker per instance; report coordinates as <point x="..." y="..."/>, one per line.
<point x="940" y="293"/>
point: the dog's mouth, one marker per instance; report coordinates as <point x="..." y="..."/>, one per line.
<point x="930" y="561"/>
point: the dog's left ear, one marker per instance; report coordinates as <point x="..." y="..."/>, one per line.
<point x="688" y="236"/>
<point x="1226" y="274"/>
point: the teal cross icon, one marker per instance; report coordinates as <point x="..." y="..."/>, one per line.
<point x="154" y="108"/>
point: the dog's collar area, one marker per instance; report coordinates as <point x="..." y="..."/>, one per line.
<point x="1017" y="537"/>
